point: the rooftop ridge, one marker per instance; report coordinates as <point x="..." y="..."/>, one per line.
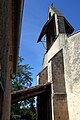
<point x="55" y="10"/>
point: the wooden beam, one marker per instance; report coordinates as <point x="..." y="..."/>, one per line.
<point x="30" y="92"/>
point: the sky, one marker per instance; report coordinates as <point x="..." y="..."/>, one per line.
<point x="35" y="15"/>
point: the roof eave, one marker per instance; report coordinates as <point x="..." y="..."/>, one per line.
<point x="44" y="29"/>
<point x="16" y="40"/>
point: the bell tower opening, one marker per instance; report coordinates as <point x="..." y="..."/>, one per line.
<point x="51" y="32"/>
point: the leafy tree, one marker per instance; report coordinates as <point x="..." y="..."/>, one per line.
<point x="23" y="76"/>
<point x="23" y="109"/>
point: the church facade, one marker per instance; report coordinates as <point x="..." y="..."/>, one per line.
<point x="61" y="67"/>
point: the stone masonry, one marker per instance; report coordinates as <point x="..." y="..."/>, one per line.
<point x="8" y="51"/>
<point x="72" y="74"/>
<point x="62" y="59"/>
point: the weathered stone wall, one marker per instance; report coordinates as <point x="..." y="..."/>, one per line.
<point x="54" y="60"/>
<point x="72" y="75"/>
<point x="55" y="48"/>
<point x="43" y="76"/>
<point x="64" y="72"/>
<point x="59" y="90"/>
<point x="0" y="57"/>
<point x="60" y="107"/>
<point x="10" y="26"/>
<point x="5" y="51"/>
<point x="58" y="73"/>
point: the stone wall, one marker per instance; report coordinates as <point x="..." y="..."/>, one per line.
<point x="72" y="75"/>
<point x="55" y="48"/>
<point x="60" y="107"/>
<point x="10" y="26"/>
<point x="5" y="51"/>
<point x="58" y="73"/>
<point x="66" y="78"/>
<point x="43" y="76"/>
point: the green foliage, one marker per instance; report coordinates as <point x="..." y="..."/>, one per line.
<point x="23" y="76"/>
<point x="29" y="114"/>
<point x="23" y="109"/>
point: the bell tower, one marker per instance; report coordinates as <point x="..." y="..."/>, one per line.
<point x="55" y="26"/>
<point x="56" y="30"/>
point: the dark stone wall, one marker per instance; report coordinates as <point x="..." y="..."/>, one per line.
<point x="60" y="107"/>
<point x="5" y="52"/>
<point x="61" y="24"/>
<point x="43" y="76"/>
<point x="60" y="98"/>
<point x="58" y="72"/>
